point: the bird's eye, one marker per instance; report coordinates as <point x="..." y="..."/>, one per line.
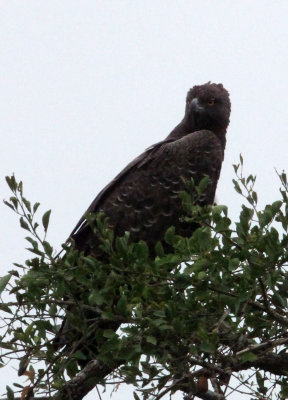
<point x="211" y="101"/>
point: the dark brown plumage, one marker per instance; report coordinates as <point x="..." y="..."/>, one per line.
<point x="144" y="198"/>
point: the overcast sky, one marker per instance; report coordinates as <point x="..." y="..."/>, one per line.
<point x="85" y="86"/>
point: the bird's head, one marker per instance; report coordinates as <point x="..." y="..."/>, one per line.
<point x="208" y="107"/>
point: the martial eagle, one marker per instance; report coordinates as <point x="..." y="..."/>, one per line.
<point x="143" y="198"/>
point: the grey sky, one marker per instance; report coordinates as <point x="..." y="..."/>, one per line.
<point x="85" y="86"/>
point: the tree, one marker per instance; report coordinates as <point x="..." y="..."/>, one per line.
<point x="213" y="308"/>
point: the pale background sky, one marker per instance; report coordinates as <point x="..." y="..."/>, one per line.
<point x="85" y="86"/>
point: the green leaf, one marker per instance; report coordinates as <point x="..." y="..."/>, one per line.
<point x="4" y="282"/>
<point x="170" y="235"/>
<point x="260" y="381"/>
<point x="142" y="250"/>
<point x="223" y="224"/>
<point x="208" y="347"/>
<point x="236" y="167"/>
<point x="35" y="251"/>
<point x="35" y="207"/>
<point x="279" y="301"/>
<point x="24" y="224"/>
<point x="236" y="186"/>
<point x="201" y="275"/>
<point x="8" y="346"/>
<point x="284" y="177"/>
<point x="71" y="368"/>
<point x="14" y="201"/>
<point x="20" y="187"/>
<point x="109" y="333"/>
<point x="5" y="308"/>
<point x="24" y="362"/>
<point x="79" y="355"/>
<point x="151" y="339"/>
<point x="11" y="182"/>
<point x="48" y="248"/>
<point x="266" y="216"/>
<point x="254" y="197"/>
<point x="202" y="239"/>
<point x="203" y="184"/>
<point x="95" y="298"/>
<point x="52" y="310"/>
<point x="276" y="205"/>
<point x="18" y="385"/>
<point x="219" y="209"/>
<point x="159" y="250"/>
<point x="45" y="219"/>
<point x="136" y="397"/>
<point x="10" y="393"/>
<point x="233" y="264"/>
<point x="27" y="204"/>
<point x="245" y="220"/>
<point x="122" y="304"/>
<point x="9" y="204"/>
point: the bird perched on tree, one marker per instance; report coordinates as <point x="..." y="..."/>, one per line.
<point x="143" y="199"/>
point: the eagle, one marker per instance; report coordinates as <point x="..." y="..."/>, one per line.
<point x="143" y="199"/>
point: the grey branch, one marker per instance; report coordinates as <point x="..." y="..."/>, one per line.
<point x="85" y="381"/>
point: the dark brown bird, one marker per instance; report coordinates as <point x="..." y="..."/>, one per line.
<point x="143" y="199"/>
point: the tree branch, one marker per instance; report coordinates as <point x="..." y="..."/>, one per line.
<point x="276" y="364"/>
<point x="85" y="381"/>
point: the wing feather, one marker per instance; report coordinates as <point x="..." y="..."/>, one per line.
<point x="144" y="197"/>
<point x="136" y="163"/>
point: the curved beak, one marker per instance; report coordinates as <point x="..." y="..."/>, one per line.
<point x="195" y="105"/>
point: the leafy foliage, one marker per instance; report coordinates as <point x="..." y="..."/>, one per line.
<point x="213" y="308"/>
